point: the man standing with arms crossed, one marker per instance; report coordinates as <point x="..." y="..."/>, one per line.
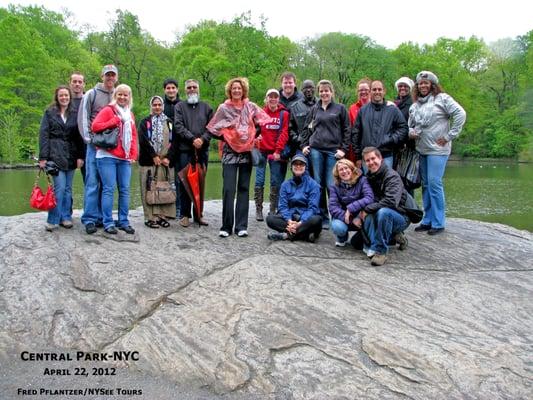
<point x="93" y="101"/>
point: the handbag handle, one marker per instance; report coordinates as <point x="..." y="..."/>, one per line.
<point x="36" y="183"/>
<point x="167" y="173"/>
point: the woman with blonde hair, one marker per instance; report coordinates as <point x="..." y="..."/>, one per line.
<point x="114" y="165"/>
<point x="348" y="196"/>
<point x="235" y="123"/>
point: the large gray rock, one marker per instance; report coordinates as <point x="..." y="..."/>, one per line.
<point x="449" y="318"/>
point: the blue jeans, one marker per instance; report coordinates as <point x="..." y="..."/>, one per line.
<point x="276" y="177"/>
<point x="387" y="160"/>
<point x="114" y="171"/>
<point x="431" y="171"/>
<point x="340" y="229"/>
<point x="323" y="163"/>
<point x="92" y="211"/>
<point x="63" y="191"/>
<point x="381" y="227"/>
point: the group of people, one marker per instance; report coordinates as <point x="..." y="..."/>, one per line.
<point x="342" y="160"/>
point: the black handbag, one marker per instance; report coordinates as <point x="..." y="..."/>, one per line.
<point x="412" y="210"/>
<point x="107" y="139"/>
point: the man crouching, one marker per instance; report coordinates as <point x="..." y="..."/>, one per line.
<point x="385" y="219"/>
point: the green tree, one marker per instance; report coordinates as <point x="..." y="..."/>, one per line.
<point x="344" y="59"/>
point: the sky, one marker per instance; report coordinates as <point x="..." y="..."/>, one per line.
<point x="387" y="22"/>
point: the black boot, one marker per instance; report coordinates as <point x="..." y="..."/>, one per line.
<point x="258" y="197"/>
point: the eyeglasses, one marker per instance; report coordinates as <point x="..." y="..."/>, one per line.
<point x="191" y="87"/>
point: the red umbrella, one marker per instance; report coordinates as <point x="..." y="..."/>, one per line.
<point x="193" y="179"/>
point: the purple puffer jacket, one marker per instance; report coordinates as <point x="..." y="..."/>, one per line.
<point x="351" y="197"/>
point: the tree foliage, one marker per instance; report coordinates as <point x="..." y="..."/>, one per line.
<point x="39" y="50"/>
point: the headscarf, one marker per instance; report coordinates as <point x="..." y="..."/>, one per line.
<point x="158" y="123"/>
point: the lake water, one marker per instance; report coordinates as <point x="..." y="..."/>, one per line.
<point x="485" y="191"/>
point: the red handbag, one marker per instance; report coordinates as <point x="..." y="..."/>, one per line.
<point x="43" y="201"/>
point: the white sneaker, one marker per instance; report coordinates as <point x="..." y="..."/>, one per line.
<point x="223" y="234"/>
<point x="340" y="244"/>
<point x="370" y="253"/>
<point x="242" y="233"/>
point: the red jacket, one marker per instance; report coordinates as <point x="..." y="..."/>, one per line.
<point x="108" y="118"/>
<point x="270" y="130"/>
<point x="354" y="110"/>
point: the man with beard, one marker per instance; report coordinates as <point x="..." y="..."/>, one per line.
<point x="379" y="124"/>
<point x="192" y="141"/>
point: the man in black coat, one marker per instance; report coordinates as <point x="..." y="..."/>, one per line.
<point x="385" y="218"/>
<point x="379" y="124"/>
<point x="191" y="143"/>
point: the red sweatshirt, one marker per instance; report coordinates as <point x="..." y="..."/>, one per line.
<point x="270" y="131"/>
<point x="107" y="118"/>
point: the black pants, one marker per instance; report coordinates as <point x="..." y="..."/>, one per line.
<point x="235" y="177"/>
<point x="312" y="225"/>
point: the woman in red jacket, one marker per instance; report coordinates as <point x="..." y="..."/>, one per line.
<point x="271" y="143"/>
<point x="362" y="90"/>
<point x="114" y="165"/>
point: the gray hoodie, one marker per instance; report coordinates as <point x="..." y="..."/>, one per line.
<point x="93" y="101"/>
<point x="429" y="118"/>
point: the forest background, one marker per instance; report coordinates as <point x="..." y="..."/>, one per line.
<point x="41" y="48"/>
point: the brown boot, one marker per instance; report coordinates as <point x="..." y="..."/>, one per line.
<point x="258" y="197"/>
<point x="274" y="197"/>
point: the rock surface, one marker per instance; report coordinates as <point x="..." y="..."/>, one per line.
<point x="449" y="318"/>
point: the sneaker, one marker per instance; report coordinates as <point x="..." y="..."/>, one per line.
<point x="401" y="239"/>
<point x="223" y="234"/>
<point x="128" y="229"/>
<point x="277" y="236"/>
<point x="422" y="228"/>
<point x="325" y="224"/>
<point x="378" y="259"/>
<point x="51" y="227"/>
<point x="340" y="244"/>
<point x="111" y="230"/>
<point x="184" y="221"/>
<point x="90" y="228"/>
<point x="369" y="252"/>
<point x="242" y="233"/>
<point x="435" y="231"/>
<point x="66" y="224"/>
